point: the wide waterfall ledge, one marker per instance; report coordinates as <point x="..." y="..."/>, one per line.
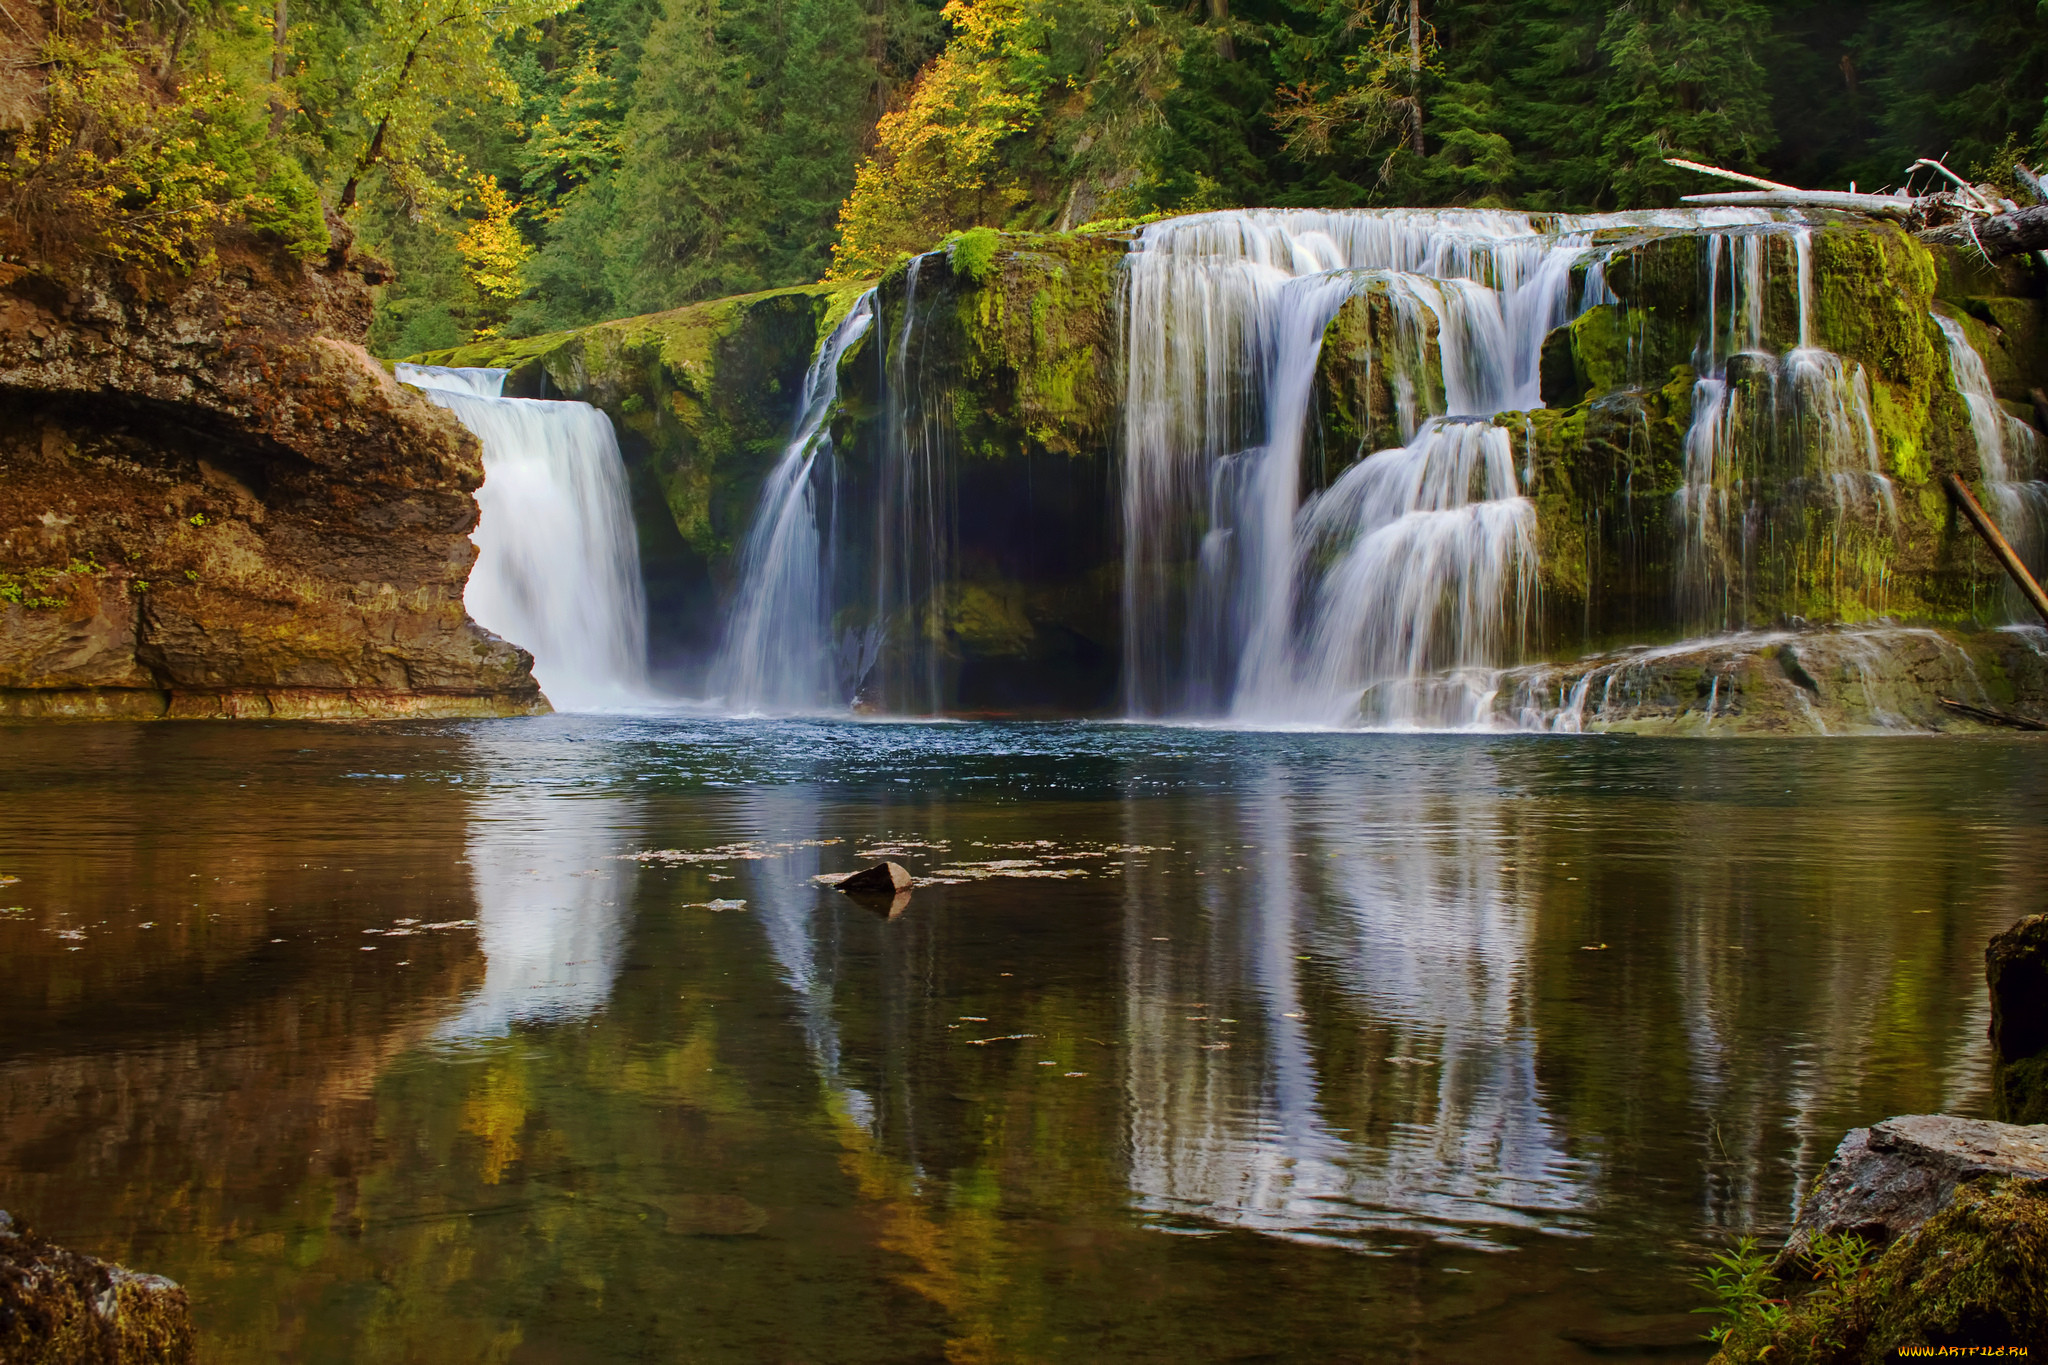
<point x="1390" y="469"/>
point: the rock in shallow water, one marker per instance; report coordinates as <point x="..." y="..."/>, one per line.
<point x="58" y="1307"/>
<point x="883" y="879"/>
<point x="2016" y="969"/>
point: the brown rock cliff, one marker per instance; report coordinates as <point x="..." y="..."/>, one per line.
<point x="213" y="502"/>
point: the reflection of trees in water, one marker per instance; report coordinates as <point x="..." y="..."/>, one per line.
<point x="1381" y="1074"/>
<point x="551" y="895"/>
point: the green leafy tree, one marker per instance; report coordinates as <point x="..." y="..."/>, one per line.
<point x="745" y="127"/>
<point x="417" y="59"/>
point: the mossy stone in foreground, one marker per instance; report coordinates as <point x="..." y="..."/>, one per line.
<point x="58" y="1307"/>
<point x="1976" y="1274"/>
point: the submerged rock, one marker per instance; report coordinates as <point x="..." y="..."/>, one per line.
<point x="213" y="502"/>
<point x="2016" y="970"/>
<point x="1886" y="1180"/>
<point x="883" y="879"/>
<point x="58" y="1307"/>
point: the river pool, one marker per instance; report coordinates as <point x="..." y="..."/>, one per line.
<point x="538" y="1040"/>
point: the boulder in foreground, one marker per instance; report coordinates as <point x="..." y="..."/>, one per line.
<point x="1959" y="1209"/>
<point x="58" y="1307"/>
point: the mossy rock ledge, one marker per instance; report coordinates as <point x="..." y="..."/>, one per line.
<point x="58" y="1307"/>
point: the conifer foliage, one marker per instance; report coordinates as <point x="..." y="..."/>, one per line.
<point x="533" y="164"/>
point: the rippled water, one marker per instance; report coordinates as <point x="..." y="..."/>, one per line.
<point x="1194" y="1046"/>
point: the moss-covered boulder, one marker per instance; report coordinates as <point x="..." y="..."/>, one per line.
<point x="58" y="1307"/>
<point x="1810" y="490"/>
<point x="1974" y="1275"/>
<point x="2016" y="971"/>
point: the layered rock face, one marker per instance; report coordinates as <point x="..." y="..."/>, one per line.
<point x="213" y="502"/>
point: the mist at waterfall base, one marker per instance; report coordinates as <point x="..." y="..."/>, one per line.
<point x="1265" y="583"/>
<point x="558" y="562"/>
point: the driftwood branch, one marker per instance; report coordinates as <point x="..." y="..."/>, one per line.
<point x="2002" y="234"/>
<point x="1967" y="503"/>
<point x="1884" y="205"/>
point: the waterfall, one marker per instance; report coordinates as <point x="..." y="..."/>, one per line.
<point x="778" y="654"/>
<point x="558" y="560"/>
<point x="914" y="527"/>
<point x="1240" y="598"/>
<point x="1793" y="430"/>
<point x="2008" y="450"/>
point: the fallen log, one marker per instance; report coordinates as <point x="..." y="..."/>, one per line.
<point x="1882" y="205"/>
<point x="1992" y="716"/>
<point x="1974" y="511"/>
<point x="2001" y="234"/>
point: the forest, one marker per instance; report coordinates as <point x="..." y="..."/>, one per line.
<point x="528" y="165"/>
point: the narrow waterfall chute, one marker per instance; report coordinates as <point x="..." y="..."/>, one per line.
<point x="2008" y="450"/>
<point x="558" y="558"/>
<point x="778" y="653"/>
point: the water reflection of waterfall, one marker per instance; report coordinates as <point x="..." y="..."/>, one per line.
<point x="558" y="559"/>
<point x="551" y="909"/>
<point x="1433" y="1122"/>
<point x="1240" y="598"/>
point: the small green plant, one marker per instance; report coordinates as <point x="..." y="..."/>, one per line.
<point x="191" y="576"/>
<point x="1740" y="1281"/>
<point x="197" y="519"/>
<point x="1756" y="1311"/>
<point x="42" y="589"/>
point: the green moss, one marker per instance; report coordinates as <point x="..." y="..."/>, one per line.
<point x="46" y="589"/>
<point x="1975" y="1274"/>
<point x="973" y="252"/>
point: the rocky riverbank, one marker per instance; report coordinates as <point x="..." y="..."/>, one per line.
<point x="213" y="502"/>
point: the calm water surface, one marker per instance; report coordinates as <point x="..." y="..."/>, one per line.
<point x="1198" y="1046"/>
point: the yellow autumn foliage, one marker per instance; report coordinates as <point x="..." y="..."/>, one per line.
<point x="939" y="163"/>
<point x="493" y="251"/>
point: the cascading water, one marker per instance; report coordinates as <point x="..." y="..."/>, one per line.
<point x="778" y="653"/>
<point x="1241" y="601"/>
<point x="1793" y="429"/>
<point x="914" y="527"/>
<point x="2008" y="450"/>
<point x="558" y="560"/>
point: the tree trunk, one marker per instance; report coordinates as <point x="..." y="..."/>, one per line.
<point x="1219" y="19"/>
<point x="2003" y="234"/>
<point x="1415" y="72"/>
<point x="280" y="52"/>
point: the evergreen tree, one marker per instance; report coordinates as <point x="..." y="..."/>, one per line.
<point x="1686" y="79"/>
